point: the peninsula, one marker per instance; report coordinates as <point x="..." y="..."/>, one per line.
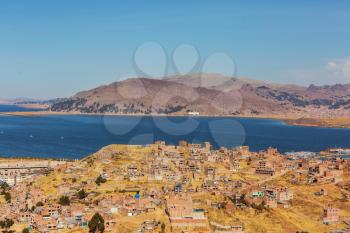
<point x="202" y="94"/>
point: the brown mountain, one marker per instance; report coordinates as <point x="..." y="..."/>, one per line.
<point x="210" y="94"/>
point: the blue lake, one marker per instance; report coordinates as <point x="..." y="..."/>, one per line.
<point x="16" y="108"/>
<point x="75" y="136"/>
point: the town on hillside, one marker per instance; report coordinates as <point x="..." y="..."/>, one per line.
<point x="187" y="188"/>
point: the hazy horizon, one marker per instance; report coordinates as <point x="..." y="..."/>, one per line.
<point x="137" y="77"/>
<point x="55" y="49"/>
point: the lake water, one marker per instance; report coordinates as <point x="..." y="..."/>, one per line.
<point x="16" y="108"/>
<point x="75" y="136"/>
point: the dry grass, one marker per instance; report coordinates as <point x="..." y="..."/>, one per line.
<point x="323" y="122"/>
<point x="304" y="214"/>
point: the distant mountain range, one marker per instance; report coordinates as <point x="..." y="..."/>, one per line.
<point x="27" y="101"/>
<point x="209" y="94"/>
<point x="19" y="101"/>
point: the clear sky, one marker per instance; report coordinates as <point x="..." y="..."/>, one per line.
<point x="56" y="48"/>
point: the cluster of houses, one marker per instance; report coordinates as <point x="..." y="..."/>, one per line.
<point x="29" y="206"/>
<point x="183" y="215"/>
<point x="16" y="172"/>
<point x="177" y="181"/>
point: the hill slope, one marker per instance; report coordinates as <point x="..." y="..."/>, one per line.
<point x="209" y="95"/>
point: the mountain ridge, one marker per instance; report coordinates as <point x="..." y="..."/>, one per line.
<point x="209" y="94"/>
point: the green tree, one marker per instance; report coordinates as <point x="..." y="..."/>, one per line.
<point x="6" y="225"/>
<point x="96" y="224"/>
<point x="4" y="187"/>
<point x="39" y="203"/>
<point x="100" y="180"/>
<point x="82" y="194"/>
<point x="64" y="200"/>
<point x="162" y="226"/>
<point x="7" y="197"/>
<point x="25" y="230"/>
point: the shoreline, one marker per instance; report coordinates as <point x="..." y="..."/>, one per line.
<point x="50" y="113"/>
<point x="30" y="159"/>
<point x="18" y="158"/>
<point x="340" y="122"/>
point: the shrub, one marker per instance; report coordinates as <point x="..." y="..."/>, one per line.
<point x="6" y="224"/>
<point x="82" y="194"/>
<point x="39" y="204"/>
<point x="64" y="200"/>
<point x="7" y="197"/>
<point x="100" y="180"/>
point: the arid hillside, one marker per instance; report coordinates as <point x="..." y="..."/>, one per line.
<point x="210" y="94"/>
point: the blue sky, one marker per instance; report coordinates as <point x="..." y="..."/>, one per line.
<point x="56" y="48"/>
